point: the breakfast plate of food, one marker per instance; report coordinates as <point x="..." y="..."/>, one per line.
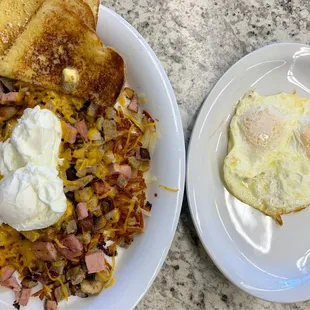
<point x="248" y="177"/>
<point x="92" y="158"/>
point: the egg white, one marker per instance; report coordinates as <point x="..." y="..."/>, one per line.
<point x="268" y="163"/>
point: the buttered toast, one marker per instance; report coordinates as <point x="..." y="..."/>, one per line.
<point x="15" y="15"/>
<point x="59" y="52"/>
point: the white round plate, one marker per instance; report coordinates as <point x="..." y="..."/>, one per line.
<point x="138" y="266"/>
<point x="255" y="253"/>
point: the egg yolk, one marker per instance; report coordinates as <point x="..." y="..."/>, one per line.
<point x="261" y="127"/>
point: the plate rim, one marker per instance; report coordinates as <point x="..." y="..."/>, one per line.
<point x="182" y="172"/>
<point x="189" y="185"/>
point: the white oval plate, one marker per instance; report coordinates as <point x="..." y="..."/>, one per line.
<point x="138" y="265"/>
<point x="256" y="254"/>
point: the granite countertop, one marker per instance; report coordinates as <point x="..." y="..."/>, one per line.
<point x="197" y="41"/>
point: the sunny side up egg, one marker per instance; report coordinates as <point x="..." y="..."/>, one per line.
<point x="268" y="161"/>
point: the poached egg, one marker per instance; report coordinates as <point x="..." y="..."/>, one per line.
<point x="31" y="192"/>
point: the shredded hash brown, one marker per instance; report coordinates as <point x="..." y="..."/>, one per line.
<point x="105" y="152"/>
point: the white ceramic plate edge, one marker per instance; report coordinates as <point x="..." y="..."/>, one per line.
<point x="189" y="189"/>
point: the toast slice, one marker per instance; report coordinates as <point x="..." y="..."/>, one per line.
<point x="81" y="9"/>
<point x="15" y="15"/>
<point x="94" y="5"/>
<point x="55" y="43"/>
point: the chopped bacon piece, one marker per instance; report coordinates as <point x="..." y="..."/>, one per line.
<point x="6" y="272"/>
<point x="133" y="105"/>
<point x="22" y="297"/>
<point x="95" y="262"/>
<point x="82" y="210"/>
<point x="45" y="251"/>
<point x="120" y="169"/>
<point x="72" y="247"/>
<point x="101" y="187"/>
<point x="50" y="305"/>
<point x="12" y="284"/>
<point x="82" y="129"/>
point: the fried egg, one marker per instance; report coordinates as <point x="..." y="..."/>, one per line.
<point x="268" y="161"/>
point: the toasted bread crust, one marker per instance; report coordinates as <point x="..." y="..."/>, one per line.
<point x="80" y="8"/>
<point x="94" y="5"/>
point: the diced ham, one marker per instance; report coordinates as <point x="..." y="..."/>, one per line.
<point x="45" y="251"/>
<point x="82" y="129"/>
<point x="133" y="105"/>
<point x="9" y="97"/>
<point x="22" y="297"/>
<point x="72" y="243"/>
<point x="50" y="305"/>
<point x="69" y="132"/>
<point x="6" y="272"/>
<point x="72" y="247"/>
<point x="101" y="187"/>
<point x="95" y="262"/>
<point x="12" y="284"/>
<point x="82" y="210"/>
<point x="126" y="171"/>
<point x="72" y="138"/>
<point x="120" y="169"/>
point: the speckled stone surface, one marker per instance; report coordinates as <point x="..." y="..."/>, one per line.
<point x="197" y="41"/>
